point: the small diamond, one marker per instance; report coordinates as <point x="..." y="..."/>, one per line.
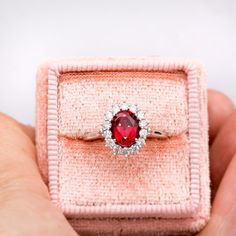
<point x="143" y="133"/>
<point x="107" y="133"/>
<point x="140" y="142"/>
<point x="107" y="125"/>
<point x="110" y="142"/>
<point x="143" y="123"/>
<point x="134" y="148"/>
<point x="120" y="150"/>
<point x="115" y="148"/>
<point x="141" y="115"/>
<point x="109" y="115"/>
<point x="133" y="108"/>
<point x="125" y="151"/>
<point x="124" y="107"/>
<point x="115" y="109"/>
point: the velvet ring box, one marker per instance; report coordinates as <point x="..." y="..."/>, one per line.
<point x="162" y="190"/>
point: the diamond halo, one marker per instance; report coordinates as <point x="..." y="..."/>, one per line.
<point x="143" y="130"/>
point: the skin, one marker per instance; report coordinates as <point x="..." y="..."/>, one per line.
<point x="25" y="207"/>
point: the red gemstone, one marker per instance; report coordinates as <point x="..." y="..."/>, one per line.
<point x="125" y="128"/>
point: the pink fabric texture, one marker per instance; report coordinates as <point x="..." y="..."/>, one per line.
<point x="162" y="190"/>
<point x="77" y="90"/>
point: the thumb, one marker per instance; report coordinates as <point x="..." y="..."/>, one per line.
<point x="25" y="203"/>
<point x="18" y="158"/>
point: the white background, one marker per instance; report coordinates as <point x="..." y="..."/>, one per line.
<point x="34" y="31"/>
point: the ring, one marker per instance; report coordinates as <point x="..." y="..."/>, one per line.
<point x="125" y="129"/>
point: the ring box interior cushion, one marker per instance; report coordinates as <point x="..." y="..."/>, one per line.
<point x="163" y="188"/>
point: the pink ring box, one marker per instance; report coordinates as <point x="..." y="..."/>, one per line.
<point x="162" y="190"/>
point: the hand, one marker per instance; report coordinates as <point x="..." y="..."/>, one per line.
<point x="222" y="122"/>
<point x="24" y="199"/>
<point x="25" y="207"/>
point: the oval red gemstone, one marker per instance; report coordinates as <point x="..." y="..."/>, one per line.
<point x="125" y="128"/>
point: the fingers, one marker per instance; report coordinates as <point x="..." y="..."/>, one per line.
<point x="222" y="150"/>
<point x="223" y="219"/>
<point x="224" y="207"/>
<point x="221" y="112"/>
<point x="219" y="109"/>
